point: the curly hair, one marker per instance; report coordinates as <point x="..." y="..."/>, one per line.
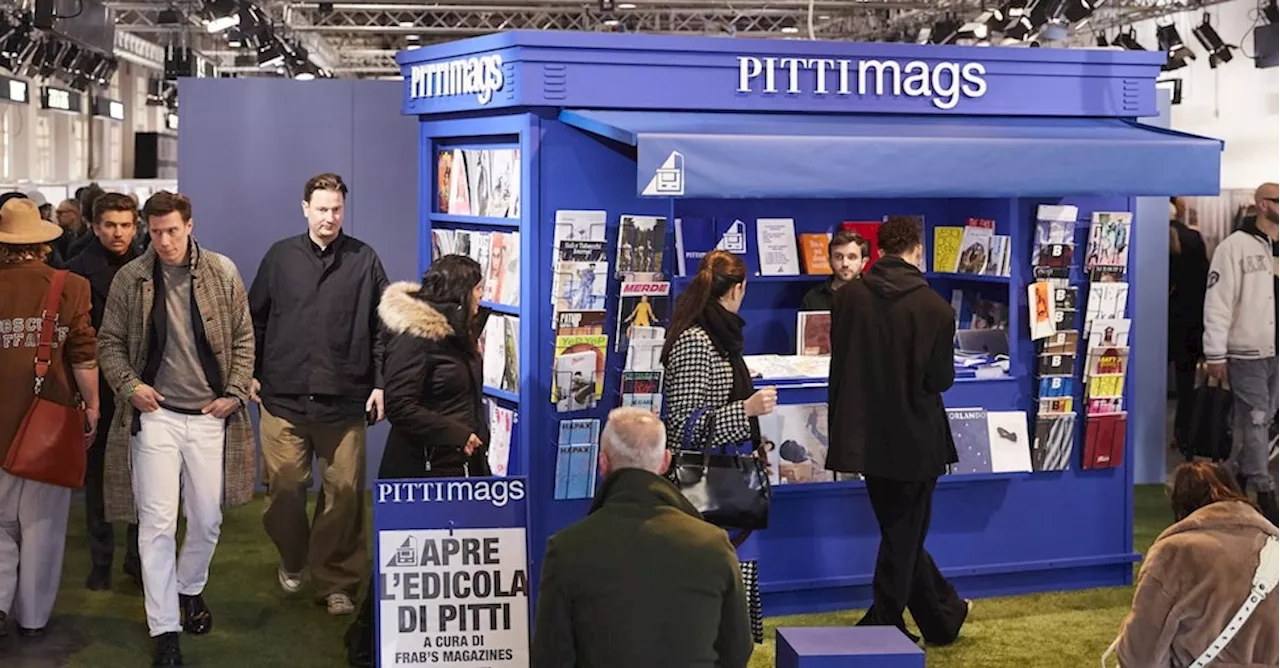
<point x="898" y="237"/>
<point x="18" y="253"/>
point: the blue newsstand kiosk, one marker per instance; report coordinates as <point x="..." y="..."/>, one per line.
<point x="821" y="132"/>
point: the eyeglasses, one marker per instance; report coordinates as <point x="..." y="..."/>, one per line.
<point x="1273" y="200"/>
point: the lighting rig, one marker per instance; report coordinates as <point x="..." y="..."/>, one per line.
<point x="1169" y="40"/>
<point x="26" y="50"/>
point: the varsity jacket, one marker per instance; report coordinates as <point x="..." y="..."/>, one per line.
<point x="1240" y="303"/>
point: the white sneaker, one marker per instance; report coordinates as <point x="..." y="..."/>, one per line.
<point x="339" y="604"/>
<point x="291" y="583"/>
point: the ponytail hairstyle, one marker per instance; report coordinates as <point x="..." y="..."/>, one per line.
<point x="1198" y="484"/>
<point x="718" y="272"/>
<point x="449" y="281"/>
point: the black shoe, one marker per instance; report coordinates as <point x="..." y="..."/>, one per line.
<point x="99" y="579"/>
<point x="943" y="642"/>
<point x="133" y="568"/>
<point x="196" y="618"/>
<point x="359" y="642"/>
<point x="168" y="653"/>
<point x="1267" y="501"/>
<point x="25" y="632"/>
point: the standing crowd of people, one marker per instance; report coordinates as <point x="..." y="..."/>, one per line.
<point x="164" y="348"/>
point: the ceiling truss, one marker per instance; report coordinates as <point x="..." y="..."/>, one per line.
<point x="363" y="37"/>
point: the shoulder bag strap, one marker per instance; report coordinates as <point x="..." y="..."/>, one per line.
<point x="1264" y="582"/>
<point x="686" y="443"/>
<point x="48" y="326"/>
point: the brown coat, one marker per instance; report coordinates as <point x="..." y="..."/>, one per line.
<point x="1192" y="582"/>
<point x="122" y="354"/>
<point x="23" y="288"/>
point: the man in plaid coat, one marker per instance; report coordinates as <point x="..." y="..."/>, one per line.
<point x="176" y="345"/>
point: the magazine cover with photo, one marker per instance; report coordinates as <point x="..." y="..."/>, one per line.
<point x="640" y="306"/>
<point x="580" y="225"/>
<point x="575" y="382"/>
<point x="640" y="244"/>
<point x="444" y="179"/>
<point x="569" y="345"/>
<point x="1109" y="239"/>
<point x="813" y="333"/>
<point x="796" y="437"/>
<point x="582" y="276"/>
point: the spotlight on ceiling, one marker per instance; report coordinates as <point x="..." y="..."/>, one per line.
<point x="1018" y="23"/>
<point x="1174" y="86"/>
<point x="271" y="52"/>
<point x="1128" y="39"/>
<point x="220" y="15"/>
<point x="1171" y="43"/>
<point x="1219" y="51"/>
<point x="943" y="31"/>
<point x="1077" y="12"/>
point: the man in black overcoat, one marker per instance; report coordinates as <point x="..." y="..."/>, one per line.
<point x="892" y="341"/>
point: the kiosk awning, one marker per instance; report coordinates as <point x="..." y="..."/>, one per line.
<point x="687" y="154"/>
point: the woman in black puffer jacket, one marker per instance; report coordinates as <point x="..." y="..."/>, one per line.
<point x="439" y="426"/>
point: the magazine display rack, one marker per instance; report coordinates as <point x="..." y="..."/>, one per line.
<point x="692" y="129"/>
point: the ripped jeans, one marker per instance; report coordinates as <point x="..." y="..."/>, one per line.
<point x="1253" y="383"/>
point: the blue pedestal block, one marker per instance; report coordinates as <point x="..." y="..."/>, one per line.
<point x="846" y="647"/>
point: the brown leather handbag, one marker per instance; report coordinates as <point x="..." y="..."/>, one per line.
<point x="49" y="446"/>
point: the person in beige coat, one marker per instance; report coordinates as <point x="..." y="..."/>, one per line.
<point x="176" y="345"/>
<point x="1196" y="576"/>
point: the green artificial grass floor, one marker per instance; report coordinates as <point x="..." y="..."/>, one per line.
<point x="257" y="626"/>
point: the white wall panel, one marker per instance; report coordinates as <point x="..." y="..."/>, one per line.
<point x="1235" y="102"/>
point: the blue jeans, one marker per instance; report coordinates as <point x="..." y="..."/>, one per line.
<point x="1253" y="383"/>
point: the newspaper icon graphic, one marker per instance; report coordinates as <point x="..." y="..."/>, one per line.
<point x="734" y="239"/>
<point x="406" y="554"/>
<point x="668" y="180"/>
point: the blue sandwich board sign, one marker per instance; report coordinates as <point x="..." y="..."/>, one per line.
<point x="452" y="581"/>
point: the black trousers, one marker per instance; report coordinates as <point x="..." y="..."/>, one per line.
<point x="906" y="577"/>
<point x="102" y="537"/>
<point x="1184" y="376"/>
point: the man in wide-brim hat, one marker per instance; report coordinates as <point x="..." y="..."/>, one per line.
<point x="21" y="224"/>
<point x="33" y="515"/>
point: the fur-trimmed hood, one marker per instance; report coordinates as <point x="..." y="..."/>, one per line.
<point x="403" y="313"/>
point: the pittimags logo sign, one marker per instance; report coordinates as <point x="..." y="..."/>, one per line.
<point x="498" y="492"/>
<point x="945" y="82"/>
<point x="479" y="75"/>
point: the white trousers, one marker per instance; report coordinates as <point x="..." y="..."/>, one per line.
<point x="33" y="533"/>
<point x="176" y="456"/>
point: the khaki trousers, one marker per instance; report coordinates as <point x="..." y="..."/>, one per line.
<point x="332" y="545"/>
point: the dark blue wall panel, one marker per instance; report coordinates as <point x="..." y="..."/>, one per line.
<point x="247" y="146"/>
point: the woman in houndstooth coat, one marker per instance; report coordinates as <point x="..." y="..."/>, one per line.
<point x="703" y="362"/>
<point x="704" y="368"/>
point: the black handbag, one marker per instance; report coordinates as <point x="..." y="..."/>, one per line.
<point x="1210" y="430"/>
<point x="730" y="490"/>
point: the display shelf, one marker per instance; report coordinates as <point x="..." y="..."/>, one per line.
<point x="501" y="308"/>
<point x="475" y="221"/>
<point x="859" y="486"/>
<point x="802" y="278"/>
<point x="504" y="395"/>
<point x="965" y="278"/>
<point x="810" y="383"/>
